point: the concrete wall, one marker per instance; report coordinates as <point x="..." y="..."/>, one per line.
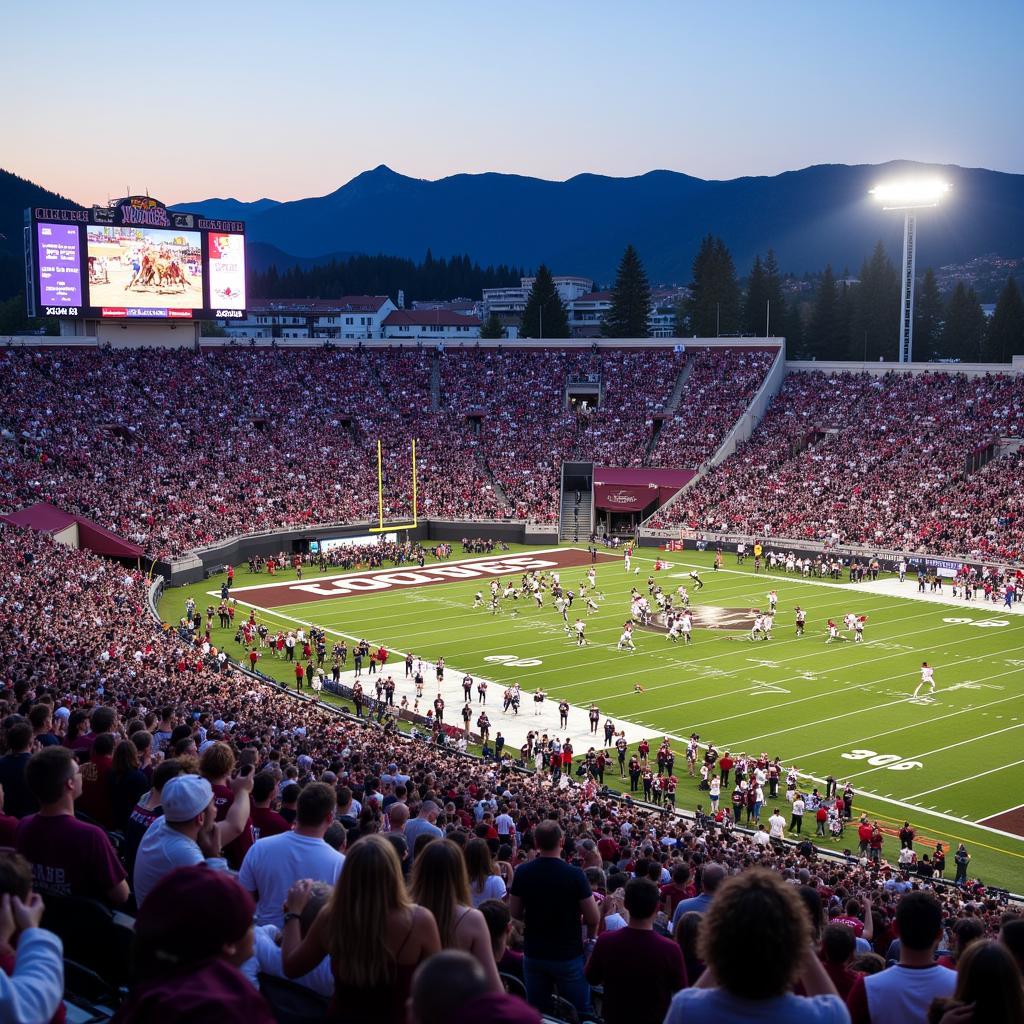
<point x="880" y="369"/>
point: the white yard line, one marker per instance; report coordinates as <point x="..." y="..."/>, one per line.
<point x="998" y="814"/>
<point x="970" y="778"/>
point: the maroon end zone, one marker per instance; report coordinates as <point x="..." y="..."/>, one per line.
<point x="289" y="592"/>
<point x="1007" y="821"/>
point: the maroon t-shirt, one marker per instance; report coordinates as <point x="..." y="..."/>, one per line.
<point x="640" y="971"/>
<point x="267" y="822"/>
<point x="96" y="792"/>
<point x="235" y="851"/>
<point x="8" y="825"/>
<point x="68" y="857"/>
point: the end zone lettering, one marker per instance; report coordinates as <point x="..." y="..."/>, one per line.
<point x="418" y="577"/>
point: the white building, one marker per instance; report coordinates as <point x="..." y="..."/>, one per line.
<point x="512" y="301"/>
<point x="430" y="324"/>
<point x="347" y="318"/>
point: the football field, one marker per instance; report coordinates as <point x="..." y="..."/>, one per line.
<point x="952" y="762"/>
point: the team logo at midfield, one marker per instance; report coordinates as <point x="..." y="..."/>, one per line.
<point x="708" y="617"/>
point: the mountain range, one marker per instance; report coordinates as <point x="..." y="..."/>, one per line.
<point x="810" y="217"/>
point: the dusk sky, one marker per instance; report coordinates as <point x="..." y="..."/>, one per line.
<point x="193" y="100"/>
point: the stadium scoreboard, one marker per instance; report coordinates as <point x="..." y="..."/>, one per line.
<point x="133" y="260"/>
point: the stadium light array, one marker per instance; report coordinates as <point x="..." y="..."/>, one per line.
<point x="909" y="195"/>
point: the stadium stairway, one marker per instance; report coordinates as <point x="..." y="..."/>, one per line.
<point x="435" y="382"/>
<point x="670" y="406"/>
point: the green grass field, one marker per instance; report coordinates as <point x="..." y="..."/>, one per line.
<point x="842" y="708"/>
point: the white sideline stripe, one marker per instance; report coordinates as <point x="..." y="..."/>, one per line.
<point x="998" y="814"/>
<point x="291" y="584"/>
<point x="913" y="725"/>
<point x="938" y="750"/>
<point x="971" y="778"/>
<point x="917" y="809"/>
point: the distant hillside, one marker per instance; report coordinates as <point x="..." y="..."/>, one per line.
<point x="810" y="217"/>
<point x="16" y="194"/>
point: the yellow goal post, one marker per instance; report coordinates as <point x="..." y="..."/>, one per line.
<point x="381" y="527"/>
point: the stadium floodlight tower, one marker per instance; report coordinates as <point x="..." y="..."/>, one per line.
<point x="909" y="196"/>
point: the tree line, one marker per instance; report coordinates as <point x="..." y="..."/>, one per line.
<point x="441" y="278"/>
<point x="841" y="319"/>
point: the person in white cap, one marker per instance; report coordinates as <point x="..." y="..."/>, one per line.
<point x="188" y="832"/>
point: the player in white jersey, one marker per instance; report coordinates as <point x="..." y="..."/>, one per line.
<point x="801" y="620"/>
<point x="927" y="678"/>
<point x="858" y="629"/>
<point x="673" y="629"/>
<point x="581" y="628"/>
<point x="773" y="601"/>
<point x="592" y="577"/>
<point x="849" y="621"/>
<point x="495" y="585"/>
<point x="591" y="607"/>
<point x="478" y="600"/>
<point x="510" y="592"/>
<point x="758" y="627"/>
<point x="833" y="632"/>
<point x="626" y="642"/>
<point x="627" y="559"/>
<point x="684" y="595"/>
<point x="766" y="626"/>
<point x="686" y="625"/>
<point x="538" y="595"/>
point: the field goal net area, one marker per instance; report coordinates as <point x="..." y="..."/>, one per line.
<point x="381" y="526"/>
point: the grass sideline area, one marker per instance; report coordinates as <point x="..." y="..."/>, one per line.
<point x="841" y="708"/>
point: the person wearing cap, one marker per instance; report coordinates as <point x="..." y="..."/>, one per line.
<point x="188" y="832"/>
<point x="68" y="857"/>
<point x="193" y="933"/>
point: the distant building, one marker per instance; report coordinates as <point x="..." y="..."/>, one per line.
<point x="346" y="318"/>
<point x="467" y="307"/>
<point x="430" y="324"/>
<point x="509" y="302"/>
<point x="587" y="313"/>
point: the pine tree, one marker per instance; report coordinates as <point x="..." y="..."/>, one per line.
<point x="928" y="314"/>
<point x="545" y="315"/>
<point x="631" y="300"/>
<point x="876" y="309"/>
<point x="714" y="306"/>
<point x="776" y="311"/>
<point x="793" y="329"/>
<point x="492" y="328"/>
<point x="964" y="329"/>
<point x="757" y="299"/>
<point x="823" y="330"/>
<point x="1005" y="336"/>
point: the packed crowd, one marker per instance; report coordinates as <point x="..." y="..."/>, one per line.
<point x="882" y="461"/>
<point x="372" y="867"/>
<point x="176" y="449"/>
<point x="718" y="390"/>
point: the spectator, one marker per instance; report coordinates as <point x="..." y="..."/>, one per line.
<point x="31" y="968"/>
<point x="147" y="809"/>
<point x="423" y="823"/>
<point x="484" y="881"/>
<point x="68" y="857"/>
<point x="902" y="993"/>
<point x="188" y="832"/>
<point x="988" y="988"/>
<point x="757" y="911"/>
<point x="551" y="897"/>
<point x="711" y="878"/>
<point x="640" y="971"/>
<point x="837" y="947"/>
<point x="687" y="933"/>
<point x="272" y="865"/>
<point x="128" y="783"/>
<point x="499" y="924"/>
<point x="375" y="935"/>
<point x="1011" y="935"/>
<point x="266" y="822"/>
<point x="452" y="986"/>
<point x="193" y="933"/>
<point x="440" y="884"/>
<point x="18" y="798"/>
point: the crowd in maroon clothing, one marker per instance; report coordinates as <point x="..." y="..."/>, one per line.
<point x="881" y="461"/>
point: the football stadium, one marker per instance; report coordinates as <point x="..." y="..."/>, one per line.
<point x="614" y="616"/>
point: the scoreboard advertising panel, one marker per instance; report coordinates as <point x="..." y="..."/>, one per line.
<point x="133" y="260"/>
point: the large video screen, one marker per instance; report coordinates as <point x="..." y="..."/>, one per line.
<point x="144" y="269"/>
<point x="134" y="260"/>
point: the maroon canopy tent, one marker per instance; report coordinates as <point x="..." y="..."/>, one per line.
<point x="73" y="529"/>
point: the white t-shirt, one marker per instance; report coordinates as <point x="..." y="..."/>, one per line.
<point x="161" y="851"/>
<point x="900" y="994"/>
<point x="492" y="889"/>
<point x="266" y="959"/>
<point x="273" y="865"/>
<point x="776" y="826"/>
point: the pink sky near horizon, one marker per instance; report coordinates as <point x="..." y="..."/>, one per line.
<point x="289" y="102"/>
